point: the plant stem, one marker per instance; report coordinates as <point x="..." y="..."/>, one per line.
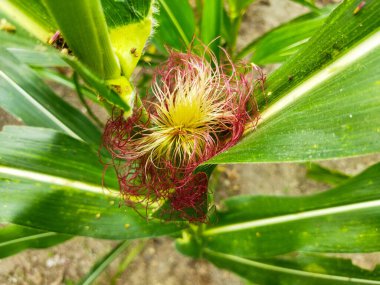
<point x="83" y="101"/>
<point x="144" y="113"/>
<point x="127" y="261"/>
<point x="84" y="28"/>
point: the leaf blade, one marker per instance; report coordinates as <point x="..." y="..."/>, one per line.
<point x="319" y="90"/>
<point x="318" y="121"/>
<point x="176" y="29"/>
<point x="341" y="220"/>
<point x="26" y="96"/>
<point x="280" y="43"/>
<point x="266" y="273"/>
<point x="212" y="15"/>
<point x="102" y="264"/>
<point x="14" y="239"/>
<point x="47" y="177"/>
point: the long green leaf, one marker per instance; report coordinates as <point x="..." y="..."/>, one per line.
<point x="314" y="271"/>
<point x="103" y="263"/>
<point x="280" y="43"/>
<point x="33" y="53"/>
<point x="323" y="103"/>
<point x="344" y="219"/>
<point x="338" y="36"/>
<point x="123" y="17"/>
<point x="59" y="78"/>
<point x="38" y="58"/>
<point x="211" y="24"/>
<point x="14" y="239"/>
<point x="31" y="15"/>
<point x="26" y="96"/>
<point x="101" y="87"/>
<point x="237" y="7"/>
<point x="176" y="24"/>
<point x="27" y="49"/>
<point x="133" y="18"/>
<point x="325" y="175"/>
<point x="308" y="4"/>
<point x="52" y="182"/>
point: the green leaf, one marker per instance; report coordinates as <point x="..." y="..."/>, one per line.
<point x="52" y="153"/>
<point x="325" y="175"/>
<point x="133" y="18"/>
<point x="308" y="270"/>
<point x="103" y="263"/>
<point x="344" y="219"/>
<point x="211" y="24"/>
<point x="26" y="96"/>
<point x="280" y="43"/>
<point x="47" y="177"/>
<point x="132" y="254"/>
<point x="58" y="78"/>
<point x="14" y="239"/>
<point x="31" y="15"/>
<point x="237" y="7"/>
<point x="28" y="49"/>
<point x="324" y="102"/>
<point x="176" y="24"/>
<point x="20" y="41"/>
<point x="46" y="57"/>
<point x="123" y="102"/>
<point x="309" y="4"/>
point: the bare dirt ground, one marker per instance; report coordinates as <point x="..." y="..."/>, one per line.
<point x="159" y="263"/>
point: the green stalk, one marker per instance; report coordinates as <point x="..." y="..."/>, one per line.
<point x="83" y="101"/>
<point x="103" y="263"/>
<point x="134" y="252"/>
<point x="83" y="26"/>
<point x="234" y="32"/>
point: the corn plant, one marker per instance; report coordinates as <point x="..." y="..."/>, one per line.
<point x="200" y="102"/>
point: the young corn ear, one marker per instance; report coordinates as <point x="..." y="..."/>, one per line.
<point x="199" y="109"/>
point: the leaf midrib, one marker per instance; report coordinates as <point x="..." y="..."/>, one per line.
<point x="32" y="237"/>
<point x="287" y="270"/>
<point x="292" y="217"/>
<point x="175" y="22"/>
<point x="362" y="49"/>
<point x="34" y="102"/>
<point x="56" y="180"/>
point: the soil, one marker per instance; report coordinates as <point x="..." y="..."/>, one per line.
<point x="159" y="262"/>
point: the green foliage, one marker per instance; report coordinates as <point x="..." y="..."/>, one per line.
<point x="313" y="270"/>
<point x="14" y="239"/>
<point x="211" y="24"/>
<point x="322" y="103"/>
<point x="325" y="175"/>
<point x="30" y="99"/>
<point x="266" y="226"/>
<point x="67" y="186"/>
<point x="280" y="43"/>
<point x="312" y="109"/>
<point x="176" y="24"/>
<point x="98" y="268"/>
